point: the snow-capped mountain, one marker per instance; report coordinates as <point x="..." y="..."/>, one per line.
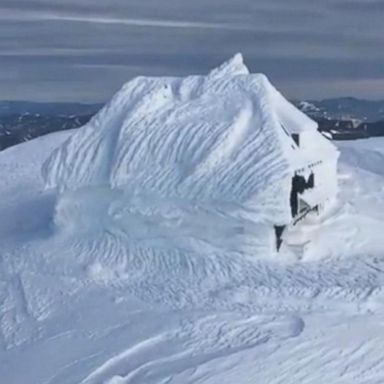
<point x="344" y="108"/>
<point x="111" y="272"/>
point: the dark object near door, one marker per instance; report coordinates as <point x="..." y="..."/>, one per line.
<point x="299" y="185"/>
<point x="279" y="229"/>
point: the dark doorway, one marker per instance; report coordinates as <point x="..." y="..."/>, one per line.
<point x="299" y="185"/>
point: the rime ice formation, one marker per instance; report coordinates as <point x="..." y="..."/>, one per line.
<point x="221" y="142"/>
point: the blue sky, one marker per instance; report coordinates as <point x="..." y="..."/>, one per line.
<point x="84" y="50"/>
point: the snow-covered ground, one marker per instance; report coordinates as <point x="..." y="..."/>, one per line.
<point x="94" y="305"/>
<point x="146" y="262"/>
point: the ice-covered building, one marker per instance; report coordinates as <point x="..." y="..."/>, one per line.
<point x="227" y="142"/>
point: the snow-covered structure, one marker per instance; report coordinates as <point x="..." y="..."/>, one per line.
<point x="227" y="142"/>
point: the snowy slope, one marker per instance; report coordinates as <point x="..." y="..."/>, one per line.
<point x="142" y="276"/>
<point x="77" y="307"/>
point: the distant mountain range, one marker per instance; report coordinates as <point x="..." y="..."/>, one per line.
<point x="16" y="128"/>
<point x="49" y="109"/>
<point x="340" y="118"/>
<point x="346" y="118"/>
<point x="345" y="108"/>
<point x="22" y="120"/>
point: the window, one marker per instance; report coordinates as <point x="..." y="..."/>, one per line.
<point x="296" y="138"/>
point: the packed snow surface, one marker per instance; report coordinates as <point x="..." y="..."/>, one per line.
<point x="105" y="281"/>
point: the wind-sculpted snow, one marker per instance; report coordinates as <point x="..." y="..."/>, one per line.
<point x="140" y="258"/>
<point x="214" y="141"/>
<point x="132" y="288"/>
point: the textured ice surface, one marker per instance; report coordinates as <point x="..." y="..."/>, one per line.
<point x="216" y="140"/>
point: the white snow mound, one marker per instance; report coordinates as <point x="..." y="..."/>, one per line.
<point x="211" y="141"/>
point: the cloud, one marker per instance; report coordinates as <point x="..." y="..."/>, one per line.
<point x="360" y="6"/>
<point x="155" y="23"/>
<point x="94" y="46"/>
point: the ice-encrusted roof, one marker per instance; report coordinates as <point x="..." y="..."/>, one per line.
<point x="214" y="138"/>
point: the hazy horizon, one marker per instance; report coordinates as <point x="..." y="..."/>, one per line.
<point x="106" y="100"/>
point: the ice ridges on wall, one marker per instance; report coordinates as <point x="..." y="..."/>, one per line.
<point x="220" y="141"/>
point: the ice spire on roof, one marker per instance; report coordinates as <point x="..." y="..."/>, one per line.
<point x="232" y="67"/>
